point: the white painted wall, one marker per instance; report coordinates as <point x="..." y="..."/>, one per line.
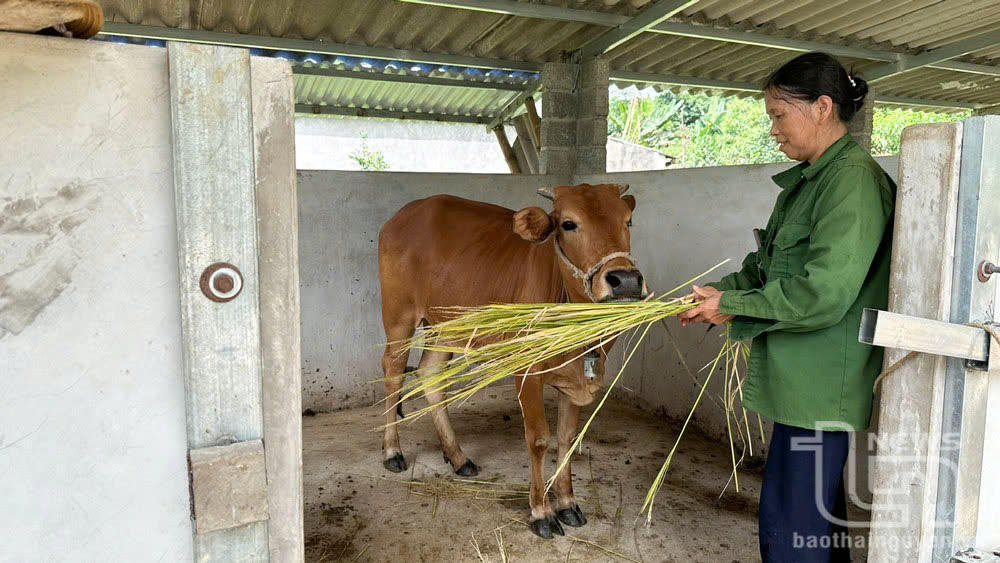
<point x="325" y="143"/>
<point x="92" y="421"/>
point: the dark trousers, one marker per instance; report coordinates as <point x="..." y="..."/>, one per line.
<point x="803" y="485"/>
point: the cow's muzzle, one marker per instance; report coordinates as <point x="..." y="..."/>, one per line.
<point x="587" y="278"/>
<point x="626" y="285"/>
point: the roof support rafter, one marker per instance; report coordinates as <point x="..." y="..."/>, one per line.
<point x="515" y="106"/>
<point x="539" y="11"/>
<point x="309" y="46"/>
<point x="406" y="115"/>
<point x="646" y="19"/>
<point x="674" y="80"/>
<point x="405" y="78"/>
<point x="934" y="56"/>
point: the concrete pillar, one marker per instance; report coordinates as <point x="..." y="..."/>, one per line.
<point x="861" y="126"/>
<point x="574" y="118"/>
<point x="592" y="118"/>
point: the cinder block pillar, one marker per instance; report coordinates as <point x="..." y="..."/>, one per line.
<point x="574" y="118"/>
<point x="558" y="155"/>
<point x="861" y="126"/>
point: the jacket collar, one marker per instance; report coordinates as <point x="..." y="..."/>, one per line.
<point x="791" y="177"/>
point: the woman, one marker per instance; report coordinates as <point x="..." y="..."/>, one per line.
<point x="823" y="258"/>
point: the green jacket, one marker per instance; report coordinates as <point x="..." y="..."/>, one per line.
<point x="824" y="258"/>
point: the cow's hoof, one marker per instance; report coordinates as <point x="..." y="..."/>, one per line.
<point x="468" y="469"/>
<point x="572" y="516"/>
<point x="396" y="464"/>
<point x="545" y="527"/>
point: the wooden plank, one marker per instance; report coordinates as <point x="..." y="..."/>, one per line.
<point x="508" y="153"/>
<point x="536" y="123"/>
<point x="526" y="143"/>
<point x="892" y="330"/>
<point x="910" y="400"/>
<point x="278" y="247"/>
<point x="522" y="159"/>
<point x="216" y="222"/>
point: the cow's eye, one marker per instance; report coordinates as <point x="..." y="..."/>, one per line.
<point x="568" y="225"/>
<point x="629" y="224"/>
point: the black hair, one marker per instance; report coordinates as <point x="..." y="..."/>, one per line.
<point x="809" y="76"/>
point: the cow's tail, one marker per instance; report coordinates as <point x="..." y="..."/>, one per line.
<point x="399" y="405"/>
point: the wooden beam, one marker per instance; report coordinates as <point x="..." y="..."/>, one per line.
<point x="515" y="106"/>
<point x="508" y="152"/>
<point x="525" y="143"/>
<point x="535" y="121"/>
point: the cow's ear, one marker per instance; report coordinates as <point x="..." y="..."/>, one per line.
<point x="629" y="201"/>
<point x="533" y="224"/>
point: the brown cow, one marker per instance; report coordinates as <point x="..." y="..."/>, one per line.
<point x="447" y="251"/>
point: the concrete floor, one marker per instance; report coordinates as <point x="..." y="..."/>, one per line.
<point x="357" y="511"/>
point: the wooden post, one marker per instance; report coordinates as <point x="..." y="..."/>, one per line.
<point x="508" y="152"/>
<point x="523" y="126"/>
<point x="536" y="123"/>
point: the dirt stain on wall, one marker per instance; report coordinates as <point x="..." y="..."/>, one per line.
<point x="37" y="257"/>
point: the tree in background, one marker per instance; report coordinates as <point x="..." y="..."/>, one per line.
<point x="368" y="159"/>
<point x="644" y="121"/>
<point x="889" y="125"/>
<point x="698" y="130"/>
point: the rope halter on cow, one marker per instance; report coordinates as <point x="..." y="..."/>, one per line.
<point x="587" y="278"/>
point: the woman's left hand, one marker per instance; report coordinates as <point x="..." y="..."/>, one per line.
<point x="708" y="310"/>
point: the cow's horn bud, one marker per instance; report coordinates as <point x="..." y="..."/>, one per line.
<point x="622" y="188"/>
<point x="546" y="193"/>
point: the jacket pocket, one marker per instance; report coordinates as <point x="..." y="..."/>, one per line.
<point x="791" y="244"/>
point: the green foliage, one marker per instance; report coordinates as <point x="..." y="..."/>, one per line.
<point x="697" y="130"/>
<point x="643" y="121"/>
<point x="368" y="159"/>
<point x="889" y="125"/>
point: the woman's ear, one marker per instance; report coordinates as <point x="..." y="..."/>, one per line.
<point x="824" y="108"/>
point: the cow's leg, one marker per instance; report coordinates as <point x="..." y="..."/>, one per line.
<point x="449" y="443"/>
<point x="567" y="510"/>
<point x="393" y="365"/>
<point x="536" y="433"/>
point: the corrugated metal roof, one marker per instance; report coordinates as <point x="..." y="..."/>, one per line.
<point x="898" y="26"/>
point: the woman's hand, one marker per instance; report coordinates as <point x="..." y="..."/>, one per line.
<point x="708" y="310"/>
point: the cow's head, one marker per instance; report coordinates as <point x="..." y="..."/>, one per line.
<point x="590" y="226"/>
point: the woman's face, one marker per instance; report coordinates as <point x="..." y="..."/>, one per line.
<point x="794" y="124"/>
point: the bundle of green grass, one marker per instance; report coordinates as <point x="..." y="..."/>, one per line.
<point x="493" y="342"/>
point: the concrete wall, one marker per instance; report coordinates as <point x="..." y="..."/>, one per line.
<point x="685" y="222"/>
<point x="325" y="143"/>
<point x="92" y="420"/>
